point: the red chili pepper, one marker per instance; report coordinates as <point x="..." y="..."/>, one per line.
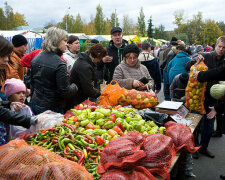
<point x="86" y="139"/>
<point x="100" y="151"/>
<point x="76" y="153"/>
<point x="71" y="158"/>
<point x="90" y="149"/>
<point x="65" y="151"/>
<point x="67" y="125"/>
<point x="43" y="140"/>
<point x="91" y="138"/>
<point x="112" y="117"/>
<point x="55" y="140"/>
<point x="81" y="159"/>
<point x="68" y="114"/>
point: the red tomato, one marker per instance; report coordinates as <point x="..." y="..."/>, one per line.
<point x="99" y="140"/>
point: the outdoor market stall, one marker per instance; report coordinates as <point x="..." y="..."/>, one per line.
<point x="115" y="140"/>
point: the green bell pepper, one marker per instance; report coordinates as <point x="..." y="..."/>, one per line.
<point x="105" y="112"/>
<point x="100" y="122"/>
<point x="84" y="122"/>
<point x="109" y="125"/>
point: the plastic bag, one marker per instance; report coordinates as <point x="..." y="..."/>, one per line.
<point x="48" y="119"/>
<point x="149" y="115"/>
<point x="195" y="91"/>
<point x="111" y="94"/>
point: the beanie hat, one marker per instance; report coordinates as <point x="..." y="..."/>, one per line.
<point x="199" y="48"/>
<point x="164" y="46"/>
<point x="132" y="48"/>
<point x="13" y="86"/>
<point x="184" y="77"/>
<point x="208" y="48"/>
<point x="173" y="39"/>
<point x="94" y="41"/>
<point x="19" y="40"/>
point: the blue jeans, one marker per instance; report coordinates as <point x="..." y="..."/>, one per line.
<point x="38" y="109"/>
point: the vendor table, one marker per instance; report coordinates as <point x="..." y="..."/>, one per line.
<point x="178" y="163"/>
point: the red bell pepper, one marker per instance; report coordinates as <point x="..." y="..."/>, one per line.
<point x="112" y="117"/>
<point x="99" y="140"/>
<point x="118" y="130"/>
<point x="90" y="126"/>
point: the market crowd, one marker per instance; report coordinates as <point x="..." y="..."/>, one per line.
<point x="59" y="77"/>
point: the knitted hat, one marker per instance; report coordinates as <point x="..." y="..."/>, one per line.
<point x="132" y="48"/>
<point x="173" y="39"/>
<point x="208" y="48"/>
<point x="116" y="29"/>
<point x="19" y="40"/>
<point x="199" y="48"/>
<point x="184" y="77"/>
<point x="13" y="86"/>
<point x="95" y="41"/>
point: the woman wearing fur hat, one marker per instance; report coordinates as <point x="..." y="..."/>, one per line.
<point x="129" y="73"/>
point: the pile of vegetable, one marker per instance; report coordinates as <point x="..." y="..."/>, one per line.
<point x="138" y="99"/>
<point x="195" y="91"/>
<point x="88" y="129"/>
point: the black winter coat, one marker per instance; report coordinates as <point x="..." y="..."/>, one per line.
<point x="10" y="117"/>
<point x="117" y="54"/>
<point x="217" y="74"/>
<point x="154" y="71"/>
<point x="50" y="86"/>
<point x="83" y="75"/>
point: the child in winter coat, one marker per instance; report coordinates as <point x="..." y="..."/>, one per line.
<point x="15" y="90"/>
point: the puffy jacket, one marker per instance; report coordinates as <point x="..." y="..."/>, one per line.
<point x="50" y="86"/>
<point x="125" y="74"/>
<point x="117" y="54"/>
<point x="83" y="75"/>
<point x="177" y="65"/>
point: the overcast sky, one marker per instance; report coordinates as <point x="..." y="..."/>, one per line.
<point x="40" y="12"/>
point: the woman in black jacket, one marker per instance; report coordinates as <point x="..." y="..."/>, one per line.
<point x="50" y="86"/>
<point x="83" y="74"/>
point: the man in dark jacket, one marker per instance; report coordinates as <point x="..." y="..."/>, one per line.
<point x="115" y="53"/>
<point x="213" y="60"/>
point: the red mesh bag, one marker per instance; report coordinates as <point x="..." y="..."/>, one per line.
<point x="195" y="91"/>
<point x="182" y="136"/>
<point x="122" y="152"/>
<point x="138" y="99"/>
<point x="160" y="153"/>
<point x="139" y="173"/>
<point x="115" y="174"/>
<point x="22" y="161"/>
